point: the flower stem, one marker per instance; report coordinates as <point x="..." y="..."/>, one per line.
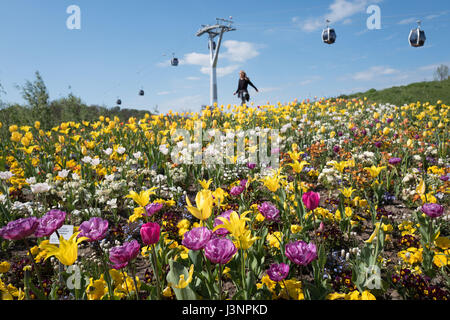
<point x="133" y="273"/>
<point x="155" y="272"/>
<point x="36" y="267"/>
<point x="220" y="281"/>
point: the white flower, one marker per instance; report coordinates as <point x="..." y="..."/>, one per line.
<point x="86" y="159"/>
<point x="75" y="176"/>
<point x="40" y="188"/>
<point x="137" y="155"/>
<point x="109" y="177"/>
<point x="31" y="180"/>
<point x="108" y="151"/>
<point x="95" y="162"/>
<point x="63" y="173"/>
<point x="163" y="149"/>
<point x="112" y="203"/>
<point x="121" y="150"/>
<point x="6" y="175"/>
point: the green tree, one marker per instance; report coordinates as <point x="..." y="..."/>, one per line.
<point x="441" y="73"/>
<point x="36" y="94"/>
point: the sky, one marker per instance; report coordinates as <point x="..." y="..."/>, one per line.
<point x="124" y="46"/>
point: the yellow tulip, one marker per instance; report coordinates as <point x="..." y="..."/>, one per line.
<point x="142" y="198"/>
<point x="181" y="282"/>
<point x="67" y="251"/>
<point x="204" y="202"/>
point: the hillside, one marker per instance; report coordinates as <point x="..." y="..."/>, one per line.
<point x="429" y="91"/>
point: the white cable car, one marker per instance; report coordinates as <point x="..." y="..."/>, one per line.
<point x="328" y="34"/>
<point x="417" y="37"/>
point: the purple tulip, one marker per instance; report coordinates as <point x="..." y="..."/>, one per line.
<point x="395" y="161"/>
<point x="278" y="272"/>
<point x="243" y="182"/>
<point x="433" y="210"/>
<point x="251" y="166"/>
<point x="153" y="208"/>
<point x="123" y="254"/>
<point x="150" y="233"/>
<point x="197" y="238"/>
<point x="301" y="253"/>
<point x="378" y="144"/>
<point x="363" y="132"/>
<point x="222" y="231"/>
<point x="340" y="134"/>
<point x="220" y="250"/>
<point x="49" y="223"/>
<point x="237" y="190"/>
<point x="336" y="149"/>
<point x="19" y="229"/>
<point x="269" y="211"/>
<point x="311" y="200"/>
<point x="94" y="229"/>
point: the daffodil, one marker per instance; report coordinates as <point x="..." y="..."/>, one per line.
<point x="67" y="251"/>
<point x="204" y="202"/>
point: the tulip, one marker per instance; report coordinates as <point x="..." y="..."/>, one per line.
<point x="301" y="253"/>
<point x="237" y="190"/>
<point x="19" y="229"/>
<point x="269" y="211"/>
<point x="94" y="229"/>
<point x="311" y="200"/>
<point x="433" y="210"/>
<point x="122" y="255"/>
<point x="204" y="202"/>
<point x="67" y="251"/>
<point x="49" y="223"/>
<point x="197" y="238"/>
<point x="153" y="208"/>
<point x="220" y="250"/>
<point x="150" y="233"/>
<point x="278" y="272"/>
<point x="217" y="221"/>
<point x="395" y="161"/>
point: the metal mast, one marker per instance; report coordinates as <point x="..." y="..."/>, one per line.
<point x="213" y="31"/>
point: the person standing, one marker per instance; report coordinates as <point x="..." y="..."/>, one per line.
<point x="242" y="90"/>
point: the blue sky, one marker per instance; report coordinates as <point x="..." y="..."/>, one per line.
<point x="124" y="46"/>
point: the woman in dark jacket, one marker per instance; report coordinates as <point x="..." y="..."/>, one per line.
<point x="242" y="90"/>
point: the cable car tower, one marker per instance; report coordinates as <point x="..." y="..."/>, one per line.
<point x="213" y="31"/>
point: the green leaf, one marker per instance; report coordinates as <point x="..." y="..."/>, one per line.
<point x="176" y="270"/>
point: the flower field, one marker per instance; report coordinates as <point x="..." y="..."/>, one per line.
<point x="354" y="205"/>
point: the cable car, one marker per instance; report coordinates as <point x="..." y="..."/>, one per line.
<point x="417" y="37"/>
<point x="141" y="92"/>
<point x="174" y="61"/>
<point x="119" y="102"/>
<point x="328" y="34"/>
<point x="214" y="45"/>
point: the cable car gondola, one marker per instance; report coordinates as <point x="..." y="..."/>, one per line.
<point x="328" y="34"/>
<point x="119" y="102"/>
<point x="417" y="37"/>
<point x="141" y="92"/>
<point x="174" y="62"/>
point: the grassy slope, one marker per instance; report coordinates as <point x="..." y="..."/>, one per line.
<point x="431" y="91"/>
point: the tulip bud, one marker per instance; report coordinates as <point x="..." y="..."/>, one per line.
<point x="150" y="233"/>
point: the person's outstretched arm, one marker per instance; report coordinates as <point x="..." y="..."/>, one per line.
<point x="250" y="83"/>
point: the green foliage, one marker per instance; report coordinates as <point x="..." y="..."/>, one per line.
<point x="429" y="91"/>
<point x="52" y="113"/>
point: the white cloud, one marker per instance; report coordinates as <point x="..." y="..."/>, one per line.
<point x="163" y="93"/>
<point x="234" y="52"/>
<point x="373" y="73"/>
<point x="193" y="78"/>
<point x="240" y="51"/>
<point x="408" y="21"/>
<point x="310" y="80"/>
<point x="339" y="10"/>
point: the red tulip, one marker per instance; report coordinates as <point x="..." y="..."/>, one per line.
<point x="150" y="233"/>
<point x="311" y="200"/>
